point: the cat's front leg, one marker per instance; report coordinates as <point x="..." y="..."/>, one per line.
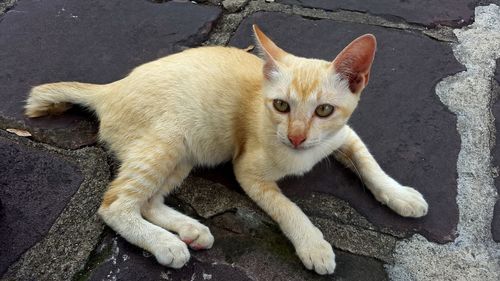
<point x="404" y="200"/>
<point x="314" y="251"/>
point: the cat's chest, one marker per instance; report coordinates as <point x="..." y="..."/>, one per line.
<point x="293" y="164"/>
<point x="287" y="162"/>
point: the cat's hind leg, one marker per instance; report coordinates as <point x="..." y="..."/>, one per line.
<point x="404" y="200"/>
<point x="192" y="232"/>
<point x="140" y="177"/>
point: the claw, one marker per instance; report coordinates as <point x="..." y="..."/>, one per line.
<point x="187" y="241"/>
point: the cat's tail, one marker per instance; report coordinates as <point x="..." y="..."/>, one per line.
<point x="55" y="98"/>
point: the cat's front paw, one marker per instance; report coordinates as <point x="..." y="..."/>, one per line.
<point x="405" y="201"/>
<point x="196" y="235"/>
<point x="317" y="254"/>
<point x="171" y="252"/>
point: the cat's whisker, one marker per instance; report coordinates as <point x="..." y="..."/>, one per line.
<point x="328" y="162"/>
<point x="354" y="167"/>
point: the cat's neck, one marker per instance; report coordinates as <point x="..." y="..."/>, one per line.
<point x="283" y="160"/>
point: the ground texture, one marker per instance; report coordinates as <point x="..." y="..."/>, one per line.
<point x="429" y="115"/>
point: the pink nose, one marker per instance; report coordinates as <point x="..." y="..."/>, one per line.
<point x="297" y="140"/>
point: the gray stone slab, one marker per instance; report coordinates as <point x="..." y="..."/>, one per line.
<point x="404" y="124"/>
<point x="453" y="13"/>
<point x="234" y="5"/>
<point x="34" y="188"/>
<point x="88" y="41"/>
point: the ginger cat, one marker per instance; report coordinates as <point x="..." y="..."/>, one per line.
<point x="273" y="117"/>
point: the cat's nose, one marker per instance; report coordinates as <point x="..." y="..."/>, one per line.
<point x="296" y="140"/>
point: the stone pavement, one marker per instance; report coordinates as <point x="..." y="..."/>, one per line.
<point x="429" y="116"/>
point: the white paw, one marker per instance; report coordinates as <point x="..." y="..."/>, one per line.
<point x="405" y="201"/>
<point x="196" y="235"/>
<point x="317" y="254"/>
<point x="171" y="252"/>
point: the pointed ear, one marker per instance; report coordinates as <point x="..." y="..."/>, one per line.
<point x="271" y="53"/>
<point x="355" y="61"/>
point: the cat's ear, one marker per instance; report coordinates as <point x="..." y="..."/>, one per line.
<point x="354" y="62"/>
<point x="270" y="52"/>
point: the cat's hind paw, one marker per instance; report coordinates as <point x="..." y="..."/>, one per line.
<point x="318" y="256"/>
<point x="406" y="201"/>
<point x="171" y="252"/>
<point x="197" y="236"/>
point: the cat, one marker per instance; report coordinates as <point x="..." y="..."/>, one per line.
<point x="272" y="117"/>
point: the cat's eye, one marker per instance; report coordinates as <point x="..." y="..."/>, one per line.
<point x="324" y="110"/>
<point x="281" y="106"/>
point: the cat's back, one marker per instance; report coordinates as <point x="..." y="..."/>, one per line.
<point x="213" y="65"/>
<point x="198" y="92"/>
<point x="214" y="74"/>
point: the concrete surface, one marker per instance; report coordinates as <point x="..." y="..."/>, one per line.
<point x="429" y="115"/>
<point x="6" y="4"/>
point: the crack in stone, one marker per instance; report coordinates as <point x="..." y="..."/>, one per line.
<point x="473" y="255"/>
<point x="229" y="22"/>
<point x="441" y="34"/>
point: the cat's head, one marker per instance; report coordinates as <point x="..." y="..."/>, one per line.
<point x="309" y="100"/>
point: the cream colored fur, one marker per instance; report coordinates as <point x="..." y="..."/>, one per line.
<point x="208" y="105"/>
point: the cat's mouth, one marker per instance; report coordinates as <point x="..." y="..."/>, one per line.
<point x="301" y="147"/>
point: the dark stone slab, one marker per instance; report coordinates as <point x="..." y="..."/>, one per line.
<point x="452" y="13"/>
<point x="495" y="224"/>
<point x="399" y="117"/>
<point x="244" y="250"/>
<point x="88" y="41"/>
<point x="123" y="261"/>
<point x="35" y="187"/>
<point x="246" y="239"/>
